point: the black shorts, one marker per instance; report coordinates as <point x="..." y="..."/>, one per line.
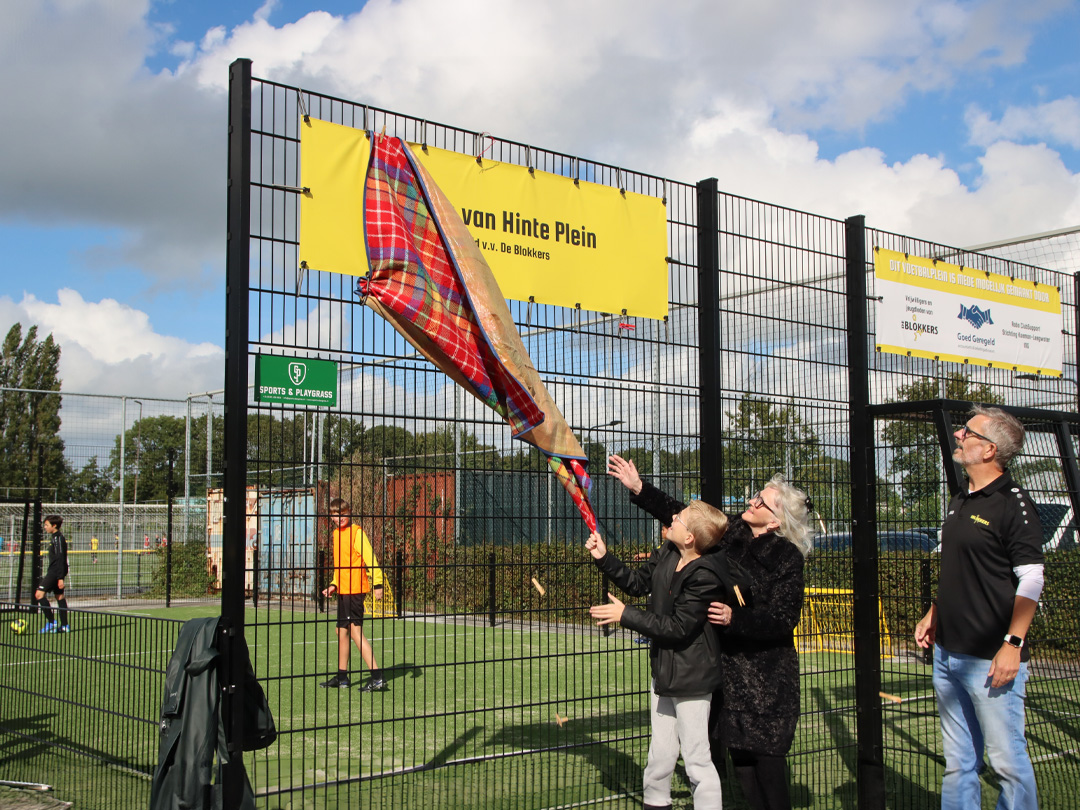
<point x="51" y="582"/>
<point x="350" y="609"/>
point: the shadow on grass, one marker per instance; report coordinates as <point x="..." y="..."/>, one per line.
<point x="447" y="753"/>
<point x="402" y="670"/>
<point x="900" y="788"/>
<point x="585" y="738"/>
<point x="29" y="738"/>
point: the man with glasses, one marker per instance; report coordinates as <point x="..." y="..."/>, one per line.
<point x="990" y="582"/>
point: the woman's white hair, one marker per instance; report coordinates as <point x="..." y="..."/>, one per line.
<point x="792" y="513"/>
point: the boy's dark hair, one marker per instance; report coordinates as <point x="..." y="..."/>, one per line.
<point x="55" y="520"/>
<point x="339" y="506"/>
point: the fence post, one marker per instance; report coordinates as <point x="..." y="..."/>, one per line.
<point x="22" y="552"/>
<point x="870" y="777"/>
<point x="234" y="533"/>
<point x="1076" y="331"/>
<point x="399" y="584"/>
<point x="491" y="589"/>
<point x="120" y="517"/>
<point x="710" y="425"/>
<point x="927" y="600"/>
<point x="169" y="532"/>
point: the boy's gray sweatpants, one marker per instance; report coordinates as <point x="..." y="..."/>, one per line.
<point x="681" y="723"/>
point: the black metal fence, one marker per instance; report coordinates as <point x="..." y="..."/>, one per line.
<point x="80" y="710"/>
<point x="501" y="691"/>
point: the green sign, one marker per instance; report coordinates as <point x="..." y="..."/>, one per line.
<point x="295" y="381"/>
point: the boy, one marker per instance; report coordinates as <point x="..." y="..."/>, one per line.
<point x="683" y="576"/>
<point x="356" y="572"/>
<point x="54" y="577"/>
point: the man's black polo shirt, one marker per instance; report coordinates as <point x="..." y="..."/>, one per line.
<point x="986" y="534"/>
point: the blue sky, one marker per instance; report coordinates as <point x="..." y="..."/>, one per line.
<point x="956" y="121"/>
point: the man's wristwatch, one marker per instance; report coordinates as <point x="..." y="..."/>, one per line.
<point x="1014" y="641"/>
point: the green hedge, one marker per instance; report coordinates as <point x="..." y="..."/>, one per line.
<point x="456" y="579"/>
<point x="189" y="575"/>
<point x="901" y="578"/>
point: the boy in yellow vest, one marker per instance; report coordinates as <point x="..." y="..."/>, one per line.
<point x="356" y="571"/>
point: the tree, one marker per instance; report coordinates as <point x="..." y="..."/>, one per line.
<point x="30" y="422"/>
<point x="916" y="458"/>
<point x="763" y="438"/>
<point x="148" y="445"/>
<point x="91" y="484"/>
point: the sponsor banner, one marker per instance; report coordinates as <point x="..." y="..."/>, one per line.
<point x="334" y="162"/>
<point x="296" y="381"/>
<point x="942" y="311"/>
<point x="560" y="242"/>
<point x="545" y="237"/>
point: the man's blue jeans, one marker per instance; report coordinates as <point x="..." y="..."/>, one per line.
<point x="974" y="716"/>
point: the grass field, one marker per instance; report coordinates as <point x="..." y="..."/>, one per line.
<point x="469" y="719"/>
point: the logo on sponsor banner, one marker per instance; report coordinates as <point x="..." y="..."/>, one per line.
<point x="975" y="316"/>
<point x="297" y="372"/>
<point x="918" y="328"/>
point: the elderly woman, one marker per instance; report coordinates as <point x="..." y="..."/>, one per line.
<point x="756" y="709"/>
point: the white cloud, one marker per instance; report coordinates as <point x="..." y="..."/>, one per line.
<point x="1056" y="121"/>
<point x="110" y="348"/>
<point x="106" y="142"/>
<point x="618" y="67"/>
<point x="99" y="141"/>
<point x="687" y="91"/>
<point x="1020" y="189"/>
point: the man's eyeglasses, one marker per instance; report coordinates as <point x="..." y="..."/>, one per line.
<point x="677" y="517"/>
<point x="757" y="502"/>
<point x="965" y="431"/>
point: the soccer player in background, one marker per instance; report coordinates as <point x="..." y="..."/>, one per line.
<point x="54" y="577"/>
<point x="356" y="572"/>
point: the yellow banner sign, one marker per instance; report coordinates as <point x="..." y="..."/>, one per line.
<point x="544" y="236"/>
<point x="942" y="311"/>
<point x="333" y="162"/>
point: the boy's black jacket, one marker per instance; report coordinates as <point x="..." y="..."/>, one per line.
<point x="684" y="649"/>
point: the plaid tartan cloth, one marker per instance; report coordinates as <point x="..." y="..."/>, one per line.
<point x="417" y="283"/>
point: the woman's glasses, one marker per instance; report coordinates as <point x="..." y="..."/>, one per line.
<point x="757" y="502"/>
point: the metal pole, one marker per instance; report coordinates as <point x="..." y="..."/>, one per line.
<point x="400" y="582"/>
<point x="870" y="777"/>
<point x="209" y="438"/>
<point x="233" y="542"/>
<point x="550" y="506"/>
<point x="458" y="393"/>
<point x="491" y="589"/>
<point x="711" y="400"/>
<point x="120" y="523"/>
<point x="1076" y="332"/>
<point x="187" y="471"/>
<point x="11" y="560"/>
<point x="656" y="409"/>
<point x="304" y="476"/>
<point x="320" y="420"/>
<point x="169" y="534"/>
<point x="22" y="552"/>
<point x="35" y="547"/>
<point x="135" y="495"/>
